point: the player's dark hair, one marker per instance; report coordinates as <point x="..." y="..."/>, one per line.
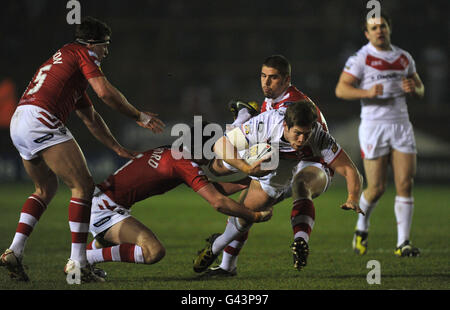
<point x="280" y="63"/>
<point x="383" y="15"/>
<point x="91" y="30"/>
<point x="301" y="113"/>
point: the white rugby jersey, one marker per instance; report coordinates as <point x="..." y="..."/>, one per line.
<point x="371" y="66"/>
<point x="268" y="127"/>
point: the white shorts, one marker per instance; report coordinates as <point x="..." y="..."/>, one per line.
<point x="377" y="139"/>
<point x="105" y="213"/>
<point x="33" y="129"/>
<point x="279" y="182"/>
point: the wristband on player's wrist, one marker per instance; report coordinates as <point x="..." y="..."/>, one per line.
<point x="144" y="118"/>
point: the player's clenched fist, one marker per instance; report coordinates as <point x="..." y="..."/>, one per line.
<point x="375" y="90"/>
<point x="408" y="85"/>
<point x="263" y="216"/>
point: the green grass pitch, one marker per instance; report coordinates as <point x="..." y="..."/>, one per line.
<point x="182" y="220"/>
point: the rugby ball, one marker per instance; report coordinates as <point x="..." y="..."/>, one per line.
<point x="257" y="152"/>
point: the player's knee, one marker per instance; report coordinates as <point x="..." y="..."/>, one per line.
<point x="301" y="186"/>
<point x="404" y="187"/>
<point x="374" y="192"/>
<point x="153" y="254"/>
<point x="83" y="188"/>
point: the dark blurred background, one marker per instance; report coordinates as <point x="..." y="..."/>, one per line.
<point x="184" y="58"/>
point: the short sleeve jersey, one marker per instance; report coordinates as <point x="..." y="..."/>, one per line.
<point x="267" y="127"/>
<point x="291" y="94"/>
<point x="153" y="172"/>
<point x="371" y="67"/>
<point x="59" y="85"/>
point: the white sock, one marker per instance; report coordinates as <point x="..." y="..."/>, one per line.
<point x="232" y="231"/>
<point x="243" y="116"/>
<point x="363" y="222"/>
<point x="404" y="207"/>
<point x="229" y="262"/>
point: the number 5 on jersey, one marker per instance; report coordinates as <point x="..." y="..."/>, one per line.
<point x="39" y="80"/>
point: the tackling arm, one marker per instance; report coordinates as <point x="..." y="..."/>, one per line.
<point x="345" y="167"/>
<point x="230" y="207"/>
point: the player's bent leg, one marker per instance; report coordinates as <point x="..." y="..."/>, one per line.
<point x="132" y="231"/>
<point x="232" y="239"/>
<point x="308" y="183"/>
<point x="45" y="181"/>
<point x="67" y="161"/>
<point x="46" y="184"/>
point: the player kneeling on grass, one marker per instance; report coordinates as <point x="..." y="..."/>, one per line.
<point x="308" y="157"/>
<point x="121" y="237"/>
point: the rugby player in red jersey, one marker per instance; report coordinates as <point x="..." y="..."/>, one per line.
<point x="49" y="150"/>
<point x="277" y="89"/>
<point x="119" y="236"/>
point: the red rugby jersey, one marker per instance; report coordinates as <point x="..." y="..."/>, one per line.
<point x="292" y="94"/>
<point x="59" y="85"/>
<point x="153" y="172"/>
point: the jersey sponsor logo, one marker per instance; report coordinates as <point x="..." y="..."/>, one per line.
<point x="390" y="76"/>
<point x="102" y="221"/>
<point x="401" y="63"/>
<point x="43" y="138"/>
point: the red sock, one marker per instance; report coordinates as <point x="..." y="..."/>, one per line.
<point x="128" y="253"/>
<point x="79" y="217"/>
<point x="235" y="246"/>
<point x="302" y="218"/>
<point x="31" y="212"/>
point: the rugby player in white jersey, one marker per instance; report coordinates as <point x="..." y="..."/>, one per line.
<point x="383" y="76"/>
<point x="279" y="92"/>
<point x="305" y="155"/>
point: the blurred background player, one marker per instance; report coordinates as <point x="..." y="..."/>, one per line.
<point x="308" y="157"/>
<point x="47" y="147"/>
<point x="124" y="238"/>
<point x="383" y="75"/>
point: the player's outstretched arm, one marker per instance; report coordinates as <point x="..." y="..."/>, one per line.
<point x="230" y="207"/>
<point x="94" y="122"/>
<point x="112" y="97"/>
<point x="345" y="167"/>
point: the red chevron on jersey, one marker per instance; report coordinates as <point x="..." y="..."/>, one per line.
<point x="401" y="63"/>
<point x="292" y="94"/>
